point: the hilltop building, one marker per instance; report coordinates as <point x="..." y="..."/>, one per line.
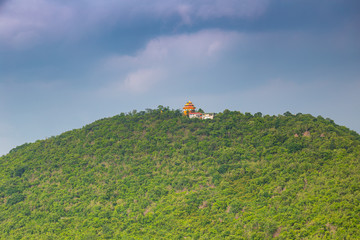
<point x="208" y="116"/>
<point x="195" y="115"/>
<point x="189" y="110"/>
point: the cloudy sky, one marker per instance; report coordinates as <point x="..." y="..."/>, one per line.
<point x="65" y="63"/>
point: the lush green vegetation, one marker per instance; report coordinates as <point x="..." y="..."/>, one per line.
<point x="158" y="175"/>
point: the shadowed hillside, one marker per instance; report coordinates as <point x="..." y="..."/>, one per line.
<point x="156" y="174"/>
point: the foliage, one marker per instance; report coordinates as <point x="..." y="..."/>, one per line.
<point x="155" y="174"/>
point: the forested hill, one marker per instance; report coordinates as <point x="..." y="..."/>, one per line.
<point x="156" y="174"/>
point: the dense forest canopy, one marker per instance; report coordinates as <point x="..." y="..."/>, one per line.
<point x="156" y="174"/>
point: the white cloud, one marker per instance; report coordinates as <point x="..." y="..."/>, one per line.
<point x="200" y="46"/>
<point x="168" y="57"/>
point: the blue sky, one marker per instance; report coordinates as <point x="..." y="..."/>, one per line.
<point x="64" y="64"/>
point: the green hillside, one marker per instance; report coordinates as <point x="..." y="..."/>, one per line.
<point x="158" y="175"/>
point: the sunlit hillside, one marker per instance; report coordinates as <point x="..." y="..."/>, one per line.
<point x="157" y="174"/>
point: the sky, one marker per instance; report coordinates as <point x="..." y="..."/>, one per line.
<point x="65" y="64"/>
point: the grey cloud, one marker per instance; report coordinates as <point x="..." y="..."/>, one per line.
<point x="30" y="21"/>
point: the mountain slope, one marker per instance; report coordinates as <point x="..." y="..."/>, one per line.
<point x="159" y="175"/>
